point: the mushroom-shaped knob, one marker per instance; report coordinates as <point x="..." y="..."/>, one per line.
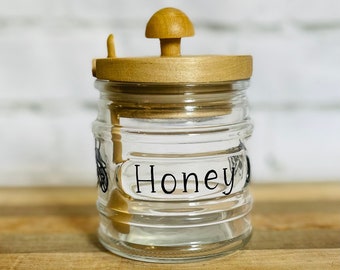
<point x="169" y="25"/>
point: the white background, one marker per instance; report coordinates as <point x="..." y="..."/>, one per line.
<point x="48" y="102"/>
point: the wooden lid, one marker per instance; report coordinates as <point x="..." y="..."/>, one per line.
<point x="170" y="25"/>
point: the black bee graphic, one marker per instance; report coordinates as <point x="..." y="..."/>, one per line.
<point x="248" y="172"/>
<point x="101" y="169"/>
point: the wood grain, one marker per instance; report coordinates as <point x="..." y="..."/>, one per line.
<point x="184" y="69"/>
<point x="296" y="226"/>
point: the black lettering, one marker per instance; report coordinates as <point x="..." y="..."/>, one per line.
<point x="231" y="182"/>
<point x="208" y="178"/>
<point x="152" y="180"/>
<point x="185" y="181"/>
<point x="163" y="183"/>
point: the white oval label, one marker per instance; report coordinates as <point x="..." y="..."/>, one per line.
<point x="183" y="178"/>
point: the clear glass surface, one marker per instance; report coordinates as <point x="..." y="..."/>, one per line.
<point x="173" y="169"/>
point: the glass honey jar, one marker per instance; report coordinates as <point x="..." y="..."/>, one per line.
<point x="170" y="149"/>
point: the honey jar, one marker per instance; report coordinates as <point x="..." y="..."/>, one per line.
<point x="170" y="135"/>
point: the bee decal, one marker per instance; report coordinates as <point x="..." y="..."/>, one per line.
<point x="101" y="169"/>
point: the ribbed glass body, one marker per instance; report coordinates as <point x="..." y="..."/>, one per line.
<point x="173" y="169"/>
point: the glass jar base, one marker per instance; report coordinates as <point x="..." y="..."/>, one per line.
<point x="174" y="254"/>
<point x="183" y="231"/>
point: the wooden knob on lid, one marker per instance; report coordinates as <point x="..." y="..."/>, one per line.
<point x="169" y="25"/>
